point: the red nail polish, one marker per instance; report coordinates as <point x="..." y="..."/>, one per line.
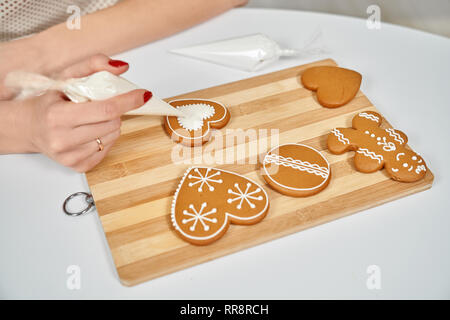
<point x="117" y="63"/>
<point x="147" y="96"/>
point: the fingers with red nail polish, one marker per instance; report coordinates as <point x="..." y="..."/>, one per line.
<point x="117" y="63"/>
<point x="147" y="96"/>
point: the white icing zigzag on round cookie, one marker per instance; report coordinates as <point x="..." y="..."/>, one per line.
<point x="298" y="164"/>
<point x="296" y="170"/>
<point x="194" y="115"/>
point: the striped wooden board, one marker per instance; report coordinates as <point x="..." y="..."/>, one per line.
<point x="134" y="185"/>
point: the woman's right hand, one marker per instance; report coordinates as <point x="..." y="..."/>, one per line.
<point x="67" y="132"/>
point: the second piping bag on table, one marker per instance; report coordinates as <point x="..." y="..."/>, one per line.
<point x="250" y="52"/>
<point x="101" y="85"/>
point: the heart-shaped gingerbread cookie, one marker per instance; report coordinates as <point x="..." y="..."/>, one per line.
<point x="208" y="200"/>
<point x="334" y="86"/>
<point x="200" y="116"/>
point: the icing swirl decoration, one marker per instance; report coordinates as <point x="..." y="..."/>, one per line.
<point x="200" y="116"/>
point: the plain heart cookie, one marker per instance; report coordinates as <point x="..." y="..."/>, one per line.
<point x="334" y="86"/>
<point x="207" y="200"/>
<point x="200" y="117"/>
<point x="296" y="170"/>
<point x="377" y="148"/>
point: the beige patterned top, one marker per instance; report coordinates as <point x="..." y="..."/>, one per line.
<point x="20" y="18"/>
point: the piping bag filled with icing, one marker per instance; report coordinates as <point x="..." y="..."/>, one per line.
<point x="251" y="52"/>
<point x="98" y="86"/>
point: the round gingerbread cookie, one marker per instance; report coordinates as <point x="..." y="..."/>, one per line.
<point x="296" y="170"/>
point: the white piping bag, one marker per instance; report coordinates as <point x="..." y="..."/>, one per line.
<point x="98" y="86"/>
<point x="251" y="52"/>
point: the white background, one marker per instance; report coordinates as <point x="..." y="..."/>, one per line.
<point x="405" y="74"/>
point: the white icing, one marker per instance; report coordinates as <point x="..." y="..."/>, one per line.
<point x="199" y="215"/>
<point x="369" y="116"/>
<point x="398" y="155"/>
<point x="206" y="179"/>
<point x="188" y="137"/>
<point x="246" y="195"/>
<point x="297" y="164"/>
<point x="289" y="187"/>
<point x="340" y="136"/>
<point x="194" y="115"/>
<point x="397" y="137"/>
<point x="394" y="169"/>
<point x="370" y="154"/>
<point x="387" y="146"/>
<point x="421" y="168"/>
<point x="405" y="165"/>
<point x="414" y="158"/>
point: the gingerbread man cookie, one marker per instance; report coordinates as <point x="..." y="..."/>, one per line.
<point x="200" y="116"/>
<point x="208" y="200"/>
<point x="334" y="86"/>
<point x="377" y="148"/>
<point x="296" y="170"/>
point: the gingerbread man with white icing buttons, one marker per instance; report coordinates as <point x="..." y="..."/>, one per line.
<point x="377" y="148"/>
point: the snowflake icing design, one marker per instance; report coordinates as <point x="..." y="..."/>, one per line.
<point x="206" y="179"/>
<point x="197" y="216"/>
<point x="247" y="195"/>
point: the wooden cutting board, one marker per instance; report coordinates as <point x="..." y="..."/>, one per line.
<point x="134" y="185"/>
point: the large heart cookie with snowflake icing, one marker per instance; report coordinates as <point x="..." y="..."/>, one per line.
<point x="208" y="200"/>
<point x="201" y="116"/>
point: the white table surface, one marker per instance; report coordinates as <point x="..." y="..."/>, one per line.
<point x="405" y="75"/>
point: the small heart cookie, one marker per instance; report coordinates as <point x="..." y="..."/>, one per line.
<point x="195" y="128"/>
<point x="208" y="200"/>
<point x="334" y="86"/>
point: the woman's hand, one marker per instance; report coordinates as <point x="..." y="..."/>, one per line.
<point x="67" y="131"/>
<point x="19" y="54"/>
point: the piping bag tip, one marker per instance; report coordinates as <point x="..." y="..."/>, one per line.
<point x="157" y="107"/>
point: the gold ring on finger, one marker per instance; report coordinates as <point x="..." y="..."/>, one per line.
<point x="100" y="144"/>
